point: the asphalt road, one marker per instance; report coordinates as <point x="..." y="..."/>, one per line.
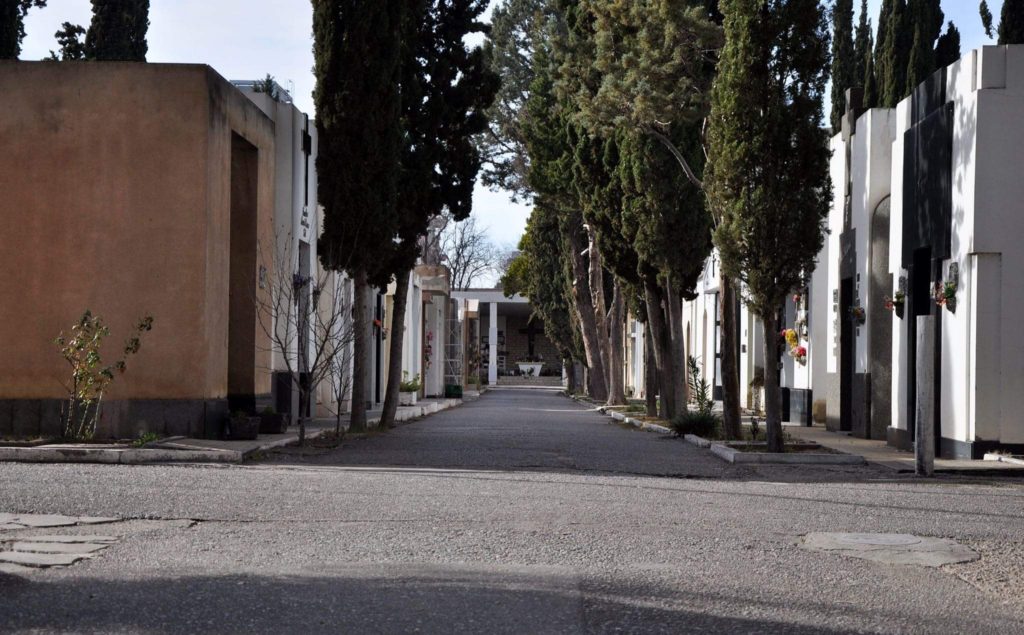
<point x="522" y="512"/>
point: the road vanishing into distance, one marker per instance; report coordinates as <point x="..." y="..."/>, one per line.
<point x="520" y="512"/>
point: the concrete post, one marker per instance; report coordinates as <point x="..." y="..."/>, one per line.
<point x="924" y="436"/>
<point x="492" y="366"/>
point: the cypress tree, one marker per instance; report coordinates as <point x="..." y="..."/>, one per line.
<point x="926" y="18"/>
<point x="12" y="25"/>
<point x="446" y="89"/>
<point x="881" y="57"/>
<point x="767" y="173"/>
<point x="356" y="48"/>
<point x="895" y="55"/>
<point x="69" y="38"/>
<point x="844" y="62"/>
<point x="1011" y="22"/>
<point x="864" y="70"/>
<point x="986" y="18"/>
<point x="871" y="97"/>
<point x="863" y="43"/>
<point x="947" y="50"/>
<point x="118" y="31"/>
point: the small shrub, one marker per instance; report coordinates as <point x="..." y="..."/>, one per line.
<point x="145" y="438"/>
<point x="702" y="424"/>
<point x="409" y="385"/>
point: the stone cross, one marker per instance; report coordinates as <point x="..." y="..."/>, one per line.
<point x="531" y="332"/>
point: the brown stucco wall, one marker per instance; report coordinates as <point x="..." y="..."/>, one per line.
<point x="115" y="196"/>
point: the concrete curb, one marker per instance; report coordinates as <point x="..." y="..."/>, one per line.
<point x="620" y="417"/>
<point x="700" y="442"/>
<point x="1003" y="458"/>
<point x="732" y="455"/>
<point x="142" y="456"/>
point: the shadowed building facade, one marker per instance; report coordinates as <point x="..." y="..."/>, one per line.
<point x="129" y="190"/>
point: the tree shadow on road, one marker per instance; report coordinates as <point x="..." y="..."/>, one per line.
<point x="390" y="599"/>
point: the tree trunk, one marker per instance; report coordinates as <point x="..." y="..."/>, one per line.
<point x="772" y="394"/>
<point x="304" y="402"/>
<point x="396" y="339"/>
<point x="584" y="306"/>
<point x="360" y="351"/>
<point x="677" y="350"/>
<point x="616" y="319"/>
<point x="662" y="357"/>
<point x="596" y="269"/>
<point x="650" y="374"/>
<point x="730" y="360"/>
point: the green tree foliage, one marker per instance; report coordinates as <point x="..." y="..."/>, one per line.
<point x="515" y="25"/>
<point x="356" y="51"/>
<point x="118" y="31"/>
<point x="642" y="65"/>
<point x="539" y="273"/>
<point x="446" y="89"/>
<point x="71" y="42"/>
<point x="927" y="19"/>
<point x="844" y="59"/>
<point x="864" y="70"/>
<point x="1011" y="22"/>
<point x="947" y="50"/>
<point x="12" y="25"/>
<point x="986" y="18"/>
<point x="768" y="158"/>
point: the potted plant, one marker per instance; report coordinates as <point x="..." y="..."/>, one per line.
<point x="896" y="302"/>
<point x="408" y="390"/>
<point x="945" y="294"/>
<point x="273" y="422"/>
<point x="240" y="426"/>
<point x="531" y="365"/>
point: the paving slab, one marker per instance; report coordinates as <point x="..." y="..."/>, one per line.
<point x="7" y="567"/>
<point x="903" y="549"/>
<point x="58" y="547"/>
<point x="41" y="559"/>
<point x="46" y="520"/>
<point x="96" y="520"/>
<point x="70" y="539"/>
<point x="880" y="453"/>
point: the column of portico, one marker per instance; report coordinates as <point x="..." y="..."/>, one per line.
<point x="492" y="366"/>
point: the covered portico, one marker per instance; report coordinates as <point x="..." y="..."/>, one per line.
<point x="503" y="334"/>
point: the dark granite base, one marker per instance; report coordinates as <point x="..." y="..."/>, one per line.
<point x="898" y="438"/>
<point x="30" y="418"/>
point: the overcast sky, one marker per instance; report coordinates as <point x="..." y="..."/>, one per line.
<point x="246" y="39"/>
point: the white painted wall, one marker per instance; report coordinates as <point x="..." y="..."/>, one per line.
<point x="900" y="359"/>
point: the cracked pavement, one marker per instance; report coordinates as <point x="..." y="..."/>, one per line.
<point x="521" y="512"/>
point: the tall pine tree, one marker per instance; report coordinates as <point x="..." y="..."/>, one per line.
<point x="894" y="59"/>
<point x="947" y="50"/>
<point x="844" y="61"/>
<point x="118" y="31"/>
<point x="768" y="154"/>
<point x="1011" y="22"/>
<point x="864" y="69"/>
<point x="12" y="25"/>
<point x="446" y="89"/>
<point x="926" y="17"/>
<point x="356" y="48"/>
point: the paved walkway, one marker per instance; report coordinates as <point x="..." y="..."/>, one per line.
<point x="881" y="453"/>
<point x="522" y="512"/>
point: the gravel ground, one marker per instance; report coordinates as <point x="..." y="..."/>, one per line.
<point x="521" y="512"/>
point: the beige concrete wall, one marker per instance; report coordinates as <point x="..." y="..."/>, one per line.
<point x="115" y="196"/>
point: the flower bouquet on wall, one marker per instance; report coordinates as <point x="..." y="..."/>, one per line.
<point x="796" y="351"/>
<point x="896" y="303"/>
